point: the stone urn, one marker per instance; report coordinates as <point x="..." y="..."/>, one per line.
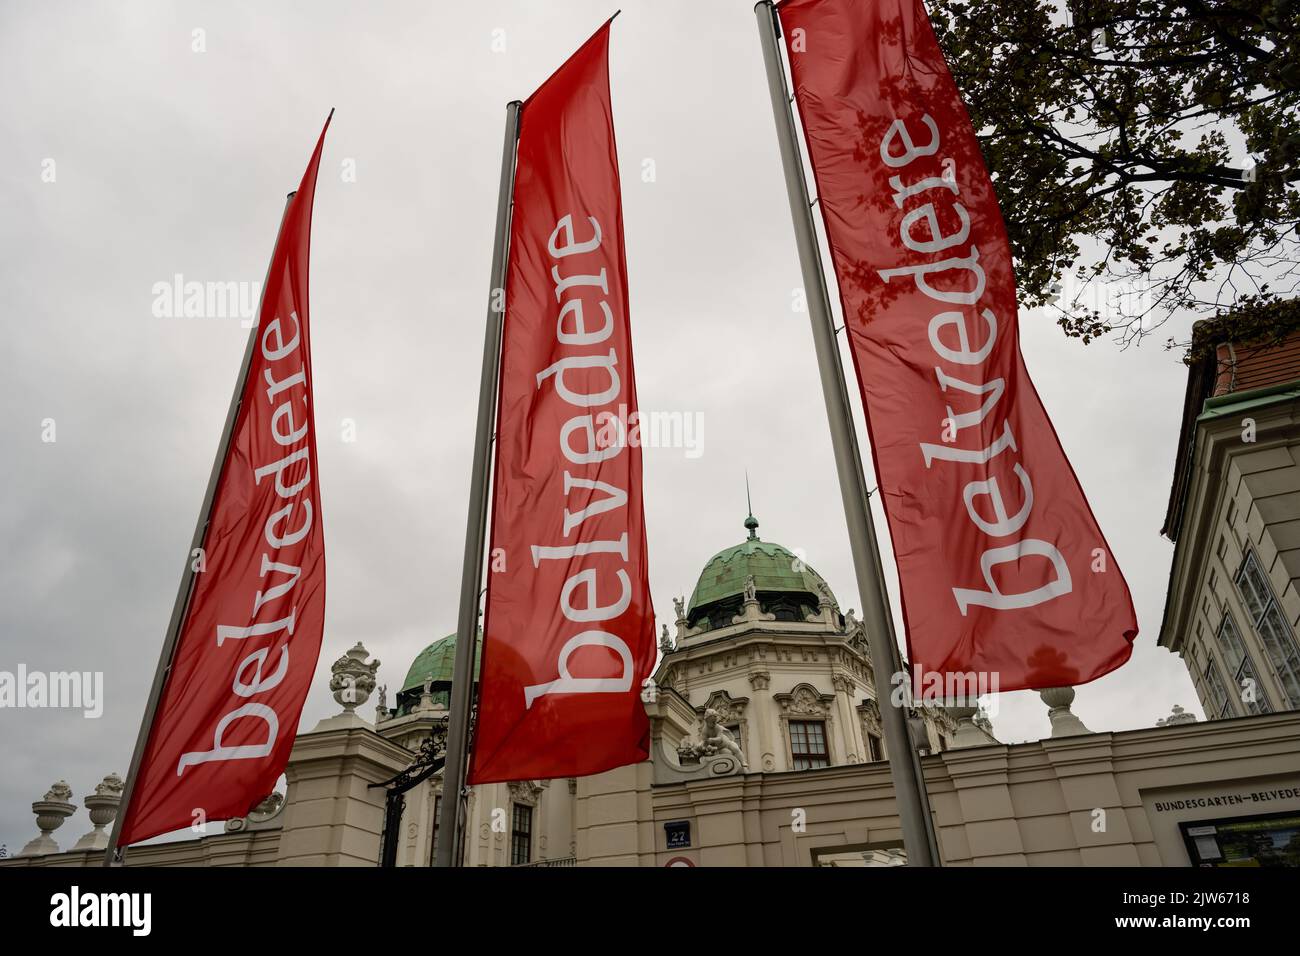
<point x="352" y="679"/>
<point x="50" y="812"/>
<point x="103" y="805"/>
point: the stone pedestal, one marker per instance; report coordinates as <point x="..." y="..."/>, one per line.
<point x="103" y="805"/>
<point x="968" y="732"/>
<point x="1064" y="722"/>
<point x="331" y="816"/>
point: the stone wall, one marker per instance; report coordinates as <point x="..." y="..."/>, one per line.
<point x="1088" y="800"/>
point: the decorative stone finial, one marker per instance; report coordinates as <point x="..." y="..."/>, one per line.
<point x="50" y="812"/>
<point x="352" y="679"/>
<point x="973" y="727"/>
<point x="103" y="805"/>
<point x="1064" y="722"/>
<point x="1179" y="716"/>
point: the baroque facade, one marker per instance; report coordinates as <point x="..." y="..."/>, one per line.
<point x="766" y="751"/>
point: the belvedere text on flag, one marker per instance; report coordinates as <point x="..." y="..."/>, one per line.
<point x="569" y="630"/>
<point x="249" y="641"/>
<point x="1003" y="568"/>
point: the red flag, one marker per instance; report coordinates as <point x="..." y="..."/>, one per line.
<point x="250" y="639"/>
<point x="1004" y="570"/>
<point x="569" y="630"/>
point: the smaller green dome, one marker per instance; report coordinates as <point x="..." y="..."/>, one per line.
<point x="438" y="662"/>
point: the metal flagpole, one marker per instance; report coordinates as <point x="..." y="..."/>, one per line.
<point x="113" y="855"/>
<point x="447" y="851"/>
<point x="909" y="786"/>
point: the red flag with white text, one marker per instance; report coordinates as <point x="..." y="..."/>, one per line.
<point x="251" y="635"/>
<point x="1003" y="567"/>
<point x="569" y="629"/>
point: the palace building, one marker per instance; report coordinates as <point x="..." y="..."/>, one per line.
<point x="1234" y="516"/>
<point x="765" y="721"/>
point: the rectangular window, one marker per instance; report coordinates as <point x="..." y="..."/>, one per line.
<point x="1274" y="631"/>
<point x="1220" y="703"/>
<point x="808" y="744"/>
<point x="1242" y="668"/>
<point x="521" y="834"/>
<point x="875" y="747"/>
<point x="735" y="732"/>
<point x="433" y="840"/>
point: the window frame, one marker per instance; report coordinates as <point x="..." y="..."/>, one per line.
<point x="516" y="833"/>
<point x="1252" y="582"/>
<point x="433" y="835"/>
<point x="1244" y="666"/>
<point x="1216" y="688"/>
<point x="875" y="747"/>
<point x="809" y="757"/>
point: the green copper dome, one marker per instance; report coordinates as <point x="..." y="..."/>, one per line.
<point x="780" y="576"/>
<point x="438" y="661"/>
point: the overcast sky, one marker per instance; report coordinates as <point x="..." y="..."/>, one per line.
<point x="168" y="161"/>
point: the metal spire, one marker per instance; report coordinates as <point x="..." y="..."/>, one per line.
<point x="751" y="522"/>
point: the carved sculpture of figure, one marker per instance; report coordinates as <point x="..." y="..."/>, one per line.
<point x="426" y="702"/>
<point x="751" y="589"/>
<point x="680" y="605"/>
<point x="665" y="642"/>
<point x="383" y="697"/>
<point x="717" y="737"/>
<point x="851" y="622"/>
